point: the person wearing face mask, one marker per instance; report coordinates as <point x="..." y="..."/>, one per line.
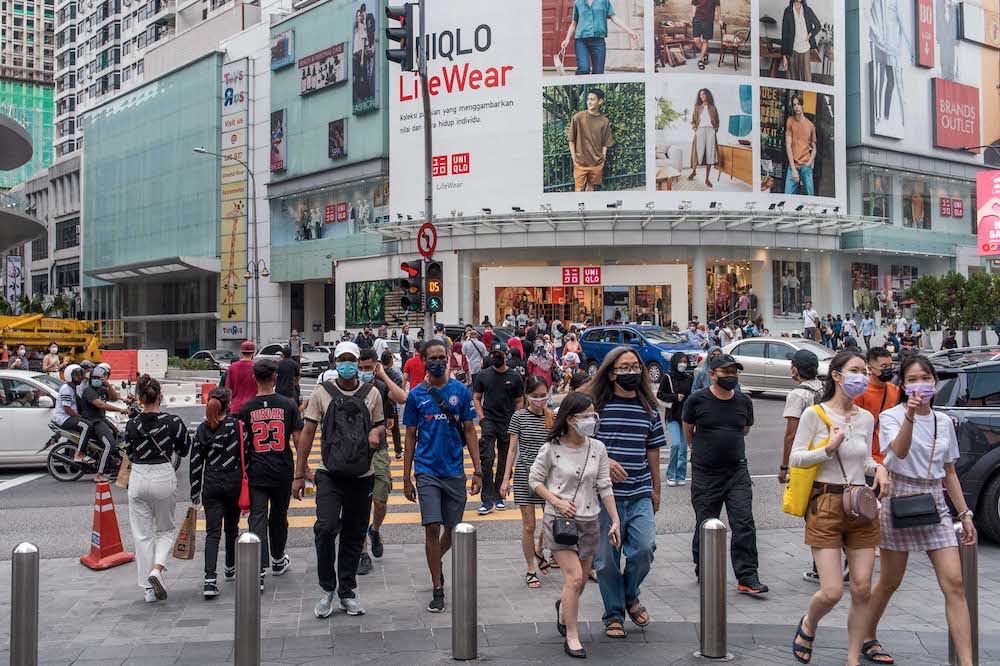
<point x="716" y="421"/>
<point x="881" y="394"/>
<point x="868" y="330"/>
<point x="675" y="387"/>
<point x="498" y="393"/>
<point x="51" y="363"/>
<point x="66" y="413"/>
<point x="440" y="421"/>
<point x="94" y="401"/>
<point x="572" y="474"/>
<point x="632" y="431"/>
<point x="702" y="378"/>
<point x="20" y="361"/>
<point x="835" y="435"/>
<point x="288" y="376"/>
<point x="921" y="449"/>
<point x="528" y="429"/>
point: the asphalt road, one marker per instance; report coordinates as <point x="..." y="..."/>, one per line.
<point x="57" y="517"/>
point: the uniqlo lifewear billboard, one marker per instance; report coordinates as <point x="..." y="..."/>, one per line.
<point x="535" y="103"/>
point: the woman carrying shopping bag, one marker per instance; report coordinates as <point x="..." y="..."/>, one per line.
<point x="152" y="438"/>
<point x="216" y="480"/>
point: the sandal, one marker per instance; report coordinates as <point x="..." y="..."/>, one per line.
<point x="615" y="629"/>
<point x="797" y="648"/>
<point x="531" y="580"/>
<point x="559" y="625"/>
<point x="636" y="612"/>
<point x="542" y="563"/>
<point x="873" y="649"/>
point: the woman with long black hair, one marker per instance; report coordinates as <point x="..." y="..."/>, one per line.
<point x="705" y="145"/>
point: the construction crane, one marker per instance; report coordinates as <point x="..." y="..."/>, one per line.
<point x="78" y="339"/>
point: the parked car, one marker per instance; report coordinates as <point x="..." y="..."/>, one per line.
<point x="969" y="392"/>
<point x="312" y="363"/>
<point x="654" y="344"/>
<point x="220" y="359"/>
<point x="986" y="353"/>
<point x="26" y="402"/>
<point x="393" y="347"/>
<point x="767" y="362"/>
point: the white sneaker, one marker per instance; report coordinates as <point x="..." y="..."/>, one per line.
<point x="352" y="606"/>
<point x="150" y="596"/>
<point x="671" y="483"/>
<point x="156" y="582"/>
<point x="682" y="482"/>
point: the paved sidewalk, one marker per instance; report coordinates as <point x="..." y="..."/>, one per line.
<point x="100" y="618"/>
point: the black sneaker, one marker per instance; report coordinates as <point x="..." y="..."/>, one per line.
<point x="230" y="574"/>
<point x="280" y="567"/>
<point x="377" y="546"/>
<point x="365" y="565"/>
<point x="211" y="589"/>
<point x="752" y="587"/>
<point x="261" y="580"/>
<point x="437" y="603"/>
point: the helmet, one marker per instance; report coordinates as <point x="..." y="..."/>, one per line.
<point x="68" y="372"/>
<point x="86" y="365"/>
<point x="106" y="367"/>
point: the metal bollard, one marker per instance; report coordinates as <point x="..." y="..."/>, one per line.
<point x="247" y="634"/>
<point x="970" y="581"/>
<point x="465" y="593"/>
<point x="24" y="605"/>
<point x="712" y="565"/>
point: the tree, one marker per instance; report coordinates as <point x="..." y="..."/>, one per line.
<point x="978" y="302"/>
<point x="926" y="291"/>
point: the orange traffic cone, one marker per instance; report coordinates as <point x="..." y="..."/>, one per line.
<point x="105" y="541"/>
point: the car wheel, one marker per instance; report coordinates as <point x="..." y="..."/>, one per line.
<point x="988" y="517"/>
<point x="592" y="368"/>
<point x="655" y="372"/>
<point x="57" y="465"/>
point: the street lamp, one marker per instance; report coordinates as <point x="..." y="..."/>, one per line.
<point x="996" y="148"/>
<point x="257" y="274"/>
<point x="256" y="270"/>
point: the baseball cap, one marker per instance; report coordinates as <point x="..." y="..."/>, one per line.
<point x="724" y="361"/>
<point x="438" y="327"/>
<point x="347" y="348"/>
<point x="247" y="347"/>
<point x="498" y="348"/>
<point x="805" y="361"/>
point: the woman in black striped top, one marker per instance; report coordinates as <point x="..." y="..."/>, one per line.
<point x="151" y="440"/>
<point x="528" y="430"/>
<point x="216" y="479"/>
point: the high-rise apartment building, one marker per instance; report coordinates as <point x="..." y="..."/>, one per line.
<point x="26" y="40"/>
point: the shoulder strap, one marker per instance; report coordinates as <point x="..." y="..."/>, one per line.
<point x="451" y="418"/>
<point x="586" y="461"/>
<point x="930" y="462"/>
<point x="821" y="413"/>
<point x="332" y="390"/>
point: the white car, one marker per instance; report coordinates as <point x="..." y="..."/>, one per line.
<point x="312" y="363"/>
<point x="767" y="362"/>
<point x="26" y="402"/>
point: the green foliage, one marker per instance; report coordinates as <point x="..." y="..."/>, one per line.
<point x="365" y="302"/>
<point x="666" y="115"/>
<point x="188" y="363"/>
<point x="23" y="304"/>
<point x="954" y="301"/>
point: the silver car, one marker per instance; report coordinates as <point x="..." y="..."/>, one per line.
<point x="767" y="362"/>
<point x="312" y="363"/>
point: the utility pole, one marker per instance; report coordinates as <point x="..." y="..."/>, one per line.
<point x="428" y="145"/>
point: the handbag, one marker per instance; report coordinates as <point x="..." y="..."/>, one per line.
<point x="566" y="531"/>
<point x="244" y="501"/>
<point x="185" y="541"/>
<point x="798" y="490"/>
<point x="919" y="510"/>
<point x="859" y="501"/>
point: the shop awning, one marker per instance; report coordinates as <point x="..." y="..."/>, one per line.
<point x="15" y="144"/>
<point x="167" y="269"/>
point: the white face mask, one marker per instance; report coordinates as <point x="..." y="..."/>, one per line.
<point x="587" y="425"/>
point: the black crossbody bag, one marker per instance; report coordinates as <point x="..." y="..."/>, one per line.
<point x="565" y="531"/>
<point x="918" y="510"/>
<point x="448" y="414"/>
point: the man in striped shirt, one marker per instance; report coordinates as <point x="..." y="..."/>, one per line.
<point x="632" y="431"/>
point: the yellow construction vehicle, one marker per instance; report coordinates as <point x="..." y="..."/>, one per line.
<point x="78" y="340"/>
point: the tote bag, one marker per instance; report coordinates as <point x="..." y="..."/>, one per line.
<point x="798" y="490"/>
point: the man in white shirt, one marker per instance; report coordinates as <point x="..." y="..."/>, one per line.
<point x="381" y="344"/>
<point x="725" y="335"/>
<point x="809" y="319"/>
<point x="900" y="324"/>
<point x="848" y="327"/>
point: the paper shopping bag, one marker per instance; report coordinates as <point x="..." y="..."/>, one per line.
<point x="124" y="473"/>
<point x="184" y="544"/>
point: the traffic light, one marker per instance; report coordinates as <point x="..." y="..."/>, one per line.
<point x="405" y="35"/>
<point x="435" y="287"/>
<point x="411" y="285"/>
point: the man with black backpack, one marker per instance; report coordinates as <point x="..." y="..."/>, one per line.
<point x="353" y="429"/>
<point x="439" y="419"/>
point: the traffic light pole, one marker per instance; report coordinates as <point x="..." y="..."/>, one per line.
<point x="428" y="149"/>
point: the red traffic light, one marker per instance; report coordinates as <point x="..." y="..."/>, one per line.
<point x="412" y="271"/>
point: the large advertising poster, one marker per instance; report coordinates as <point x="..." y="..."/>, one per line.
<point x="929" y="91"/>
<point x="278" y="143"/>
<point x="365" y="71"/>
<point x="282" y="50"/>
<point x="645" y="103"/>
<point x="14" y="280"/>
<point x="233" y="214"/>
<point x="988" y="216"/>
<point x="319" y="70"/>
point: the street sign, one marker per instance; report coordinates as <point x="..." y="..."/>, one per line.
<point x="427" y="240"/>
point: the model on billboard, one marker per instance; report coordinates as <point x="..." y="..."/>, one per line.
<point x="705" y="146"/>
<point x="692" y="32"/>
<point x="946" y="31"/>
<point x="801" y="147"/>
<point x="589" y="138"/>
<point x="364" y="54"/>
<point x="590" y="29"/>
<point x="890" y="47"/>
<point x="703" y="26"/>
<point x="799" y="29"/>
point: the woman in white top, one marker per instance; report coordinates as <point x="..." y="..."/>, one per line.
<point x="921" y="448"/>
<point x="572" y="475"/>
<point x="843" y="462"/>
<point x="705" y="145"/>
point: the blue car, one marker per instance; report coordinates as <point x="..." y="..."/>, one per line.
<point x="654" y="345"/>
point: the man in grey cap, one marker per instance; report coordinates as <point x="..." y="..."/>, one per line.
<point x="94" y="399"/>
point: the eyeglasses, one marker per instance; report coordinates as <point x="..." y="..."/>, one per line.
<point x="628" y="369"/>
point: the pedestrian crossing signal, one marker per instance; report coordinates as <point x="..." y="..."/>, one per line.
<point x="411" y="286"/>
<point x="435" y="286"/>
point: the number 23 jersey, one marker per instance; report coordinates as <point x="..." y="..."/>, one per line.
<point x="269" y="421"/>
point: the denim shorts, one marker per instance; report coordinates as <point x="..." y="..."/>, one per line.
<point x="442" y="500"/>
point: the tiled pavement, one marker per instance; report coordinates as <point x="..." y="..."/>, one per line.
<point x="100" y="618"/>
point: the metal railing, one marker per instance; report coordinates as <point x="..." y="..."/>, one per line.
<point x="559" y="170"/>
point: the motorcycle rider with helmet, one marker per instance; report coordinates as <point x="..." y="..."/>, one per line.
<point x="67" y="415"/>
<point x="94" y="403"/>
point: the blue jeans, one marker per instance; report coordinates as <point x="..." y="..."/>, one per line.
<point x="591" y="53"/>
<point x="638" y="545"/>
<point x="677" y="469"/>
<point x="805" y="181"/>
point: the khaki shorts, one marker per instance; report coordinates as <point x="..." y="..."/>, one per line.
<point x="827" y="526"/>
<point x="383" y="476"/>
<point x="584" y="176"/>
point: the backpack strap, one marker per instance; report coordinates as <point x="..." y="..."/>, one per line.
<point x="448" y="414"/>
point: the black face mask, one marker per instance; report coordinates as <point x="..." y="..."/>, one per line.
<point x="887" y="375"/>
<point x="629" y="382"/>
<point x="498" y="361"/>
<point x="728" y="383"/>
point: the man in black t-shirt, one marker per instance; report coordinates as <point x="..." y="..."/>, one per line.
<point x="497" y="394"/>
<point x="716" y="421"/>
<point x="288" y="376"/>
<point x="96" y="393"/>
<point x="271" y="426"/>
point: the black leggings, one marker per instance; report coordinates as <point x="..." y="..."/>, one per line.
<point x="222" y="505"/>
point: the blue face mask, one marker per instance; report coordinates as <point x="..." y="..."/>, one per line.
<point x="97" y="383"/>
<point x="347" y="369"/>
<point x="367" y="375"/>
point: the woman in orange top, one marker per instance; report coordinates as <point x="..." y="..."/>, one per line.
<point x="881" y="394"/>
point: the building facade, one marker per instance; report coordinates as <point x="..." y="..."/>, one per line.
<point x="27" y="29"/>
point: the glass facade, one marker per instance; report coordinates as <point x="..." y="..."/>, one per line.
<point x="34" y="109"/>
<point x="149" y="196"/>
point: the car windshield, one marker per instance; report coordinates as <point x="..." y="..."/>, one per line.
<point x="225" y="355"/>
<point x="394" y="346"/>
<point x="309" y="348"/>
<point x="662" y="337"/>
<point x="822" y="352"/>
<point x="49" y="381"/>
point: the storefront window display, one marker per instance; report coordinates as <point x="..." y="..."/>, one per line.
<point x="575" y="305"/>
<point x="916" y="201"/>
<point x="916" y="204"/>
<point x="726" y="282"/>
<point x="878" y="195"/>
<point x="337" y="212"/>
<point x="864" y="287"/>
<point x="902" y="277"/>
<point x="792" y="287"/>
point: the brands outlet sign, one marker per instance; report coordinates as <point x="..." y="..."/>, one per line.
<point x="956" y="115"/>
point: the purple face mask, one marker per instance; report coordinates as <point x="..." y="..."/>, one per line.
<point x="924" y="391"/>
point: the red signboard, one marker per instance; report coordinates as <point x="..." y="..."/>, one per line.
<point x="957" y="208"/>
<point x="460" y="163"/>
<point x="331" y="214"/>
<point x="559" y="295"/>
<point x="342" y="212"/>
<point x="579" y="294"/>
<point x="956" y="115"/>
<point x="945" y="207"/>
<point x="988" y="197"/>
<point x="571" y="275"/>
<point x="592" y="275"/>
<point x="925" y="33"/>
<point x="439" y="165"/>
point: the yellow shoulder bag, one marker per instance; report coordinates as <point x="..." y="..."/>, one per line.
<point x="798" y="490"/>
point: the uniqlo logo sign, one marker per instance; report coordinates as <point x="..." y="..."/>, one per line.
<point x="460" y="163"/>
<point x="571" y="275"/>
<point x="439" y="165"/>
<point x="592" y="275"/>
<point x="956" y="115"/>
<point x="957" y="208"/>
<point x="945" y="207"/>
<point x="331" y="214"/>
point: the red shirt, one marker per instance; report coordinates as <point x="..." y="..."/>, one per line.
<point x="488" y="338"/>
<point x="515" y="343"/>
<point x="876" y="400"/>
<point x="239" y="380"/>
<point x="415" y="370"/>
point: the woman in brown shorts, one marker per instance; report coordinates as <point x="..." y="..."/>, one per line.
<point x="844" y="461"/>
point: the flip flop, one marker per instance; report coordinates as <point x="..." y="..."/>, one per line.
<point x="873" y="649"/>
<point x="796" y="648"/>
